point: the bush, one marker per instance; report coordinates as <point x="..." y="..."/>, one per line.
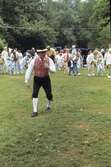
<point x="2" y="43"/>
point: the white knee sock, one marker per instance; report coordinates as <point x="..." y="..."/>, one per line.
<point x="35" y="104"/>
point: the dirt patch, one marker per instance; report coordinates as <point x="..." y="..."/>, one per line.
<point x="82" y="125"/>
<point x="102" y="110"/>
<point x="70" y="154"/>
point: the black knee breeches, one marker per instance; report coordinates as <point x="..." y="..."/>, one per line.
<point x="44" y="82"/>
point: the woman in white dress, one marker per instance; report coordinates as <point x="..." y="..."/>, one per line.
<point x="107" y="59"/>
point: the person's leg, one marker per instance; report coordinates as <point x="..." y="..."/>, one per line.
<point x="109" y="66"/>
<point x="92" y="70"/>
<point x="36" y="87"/>
<point x="75" y="69"/>
<point x="98" y="69"/>
<point x="78" y="69"/>
<point x="14" y="67"/>
<point x="89" y="67"/>
<point x="47" y="88"/>
<point x="0" y="69"/>
<point x="70" y="70"/>
<point x="35" y="104"/>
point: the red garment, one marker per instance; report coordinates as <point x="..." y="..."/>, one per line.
<point x="66" y="57"/>
<point x="39" y="66"/>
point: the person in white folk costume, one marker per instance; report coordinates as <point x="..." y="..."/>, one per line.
<point x="20" y="61"/>
<point x="1" y="64"/>
<point x="100" y="63"/>
<point x="107" y="59"/>
<point x="4" y="56"/>
<point x="41" y="65"/>
<point x="91" y="63"/>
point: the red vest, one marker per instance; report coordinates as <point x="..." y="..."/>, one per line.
<point x="39" y="68"/>
<point x="66" y="57"/>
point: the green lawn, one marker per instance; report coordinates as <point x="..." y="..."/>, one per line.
<point x="77" y="133"/>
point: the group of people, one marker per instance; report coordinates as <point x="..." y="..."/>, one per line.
<point x="98" y="62"/>
<point x="43" y="61"/>
<point x="71" y="62"/>
<point x="11" y="61"/>
<point x="62" y="58"/>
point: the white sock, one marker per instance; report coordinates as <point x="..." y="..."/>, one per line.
<point x="48" y="104"/>
<point x="35" y="104"/>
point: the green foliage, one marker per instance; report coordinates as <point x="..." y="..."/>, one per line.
<point x="2" y="43"/>
<point x="2" y="40"/>
<point x="105" y="36"/>
<point x="31" y="22"/>
<point x="101" y="20"/>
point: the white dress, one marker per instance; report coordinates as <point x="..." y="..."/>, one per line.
<point x="107" y="58"/>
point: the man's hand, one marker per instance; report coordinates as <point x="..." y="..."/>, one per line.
<point x="27" y="83"/>
<point x="46" y="65"/>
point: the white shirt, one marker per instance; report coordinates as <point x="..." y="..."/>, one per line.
<point x="90" y="58"/>
<point x="107" y="58"/>
<point x="20" y="56"/>
<point x="31" y="68"/>
<point x="99" y="58"/>
<point x="4" y="55"/>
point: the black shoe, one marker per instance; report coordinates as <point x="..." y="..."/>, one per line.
<point x="48" y="109"/>
<point x="34" y="114"/>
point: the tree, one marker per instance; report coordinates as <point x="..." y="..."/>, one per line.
<point x="101" y="19"/>
<point x="27" y="23"/>
<point x="2" y="40"/>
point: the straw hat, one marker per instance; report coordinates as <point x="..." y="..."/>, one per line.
<point x="41" y="50"/>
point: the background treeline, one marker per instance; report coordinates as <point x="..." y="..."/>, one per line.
<point x="27" y="23"/>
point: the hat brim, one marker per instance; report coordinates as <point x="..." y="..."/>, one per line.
<point x="41" y="50"/>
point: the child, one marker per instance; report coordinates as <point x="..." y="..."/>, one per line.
<point x="71" y="66"/>
<point x="91" y="63"/>
<point x="79" y="62"/>
<point x="100" y="64"/>
<point x="75" y="63"/>
<point x="66" y="59"/>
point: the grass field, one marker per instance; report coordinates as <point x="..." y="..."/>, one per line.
<point x="77" y="133"/>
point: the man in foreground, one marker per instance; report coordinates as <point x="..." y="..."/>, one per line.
<point x="41" y="65"/>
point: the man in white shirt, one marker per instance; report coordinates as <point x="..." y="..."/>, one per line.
<point x="4" y="56"/>
<point x="74" y="50"/>
<point x="41" y="65"/>
<point x="90" y="63"/>
<point x="107" y="59"/>
<point x="20" y="60"/>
